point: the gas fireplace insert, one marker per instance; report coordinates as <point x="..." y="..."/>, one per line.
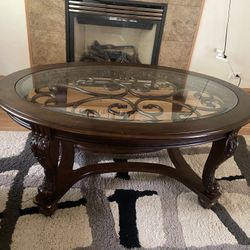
<point x="116" y="31"/>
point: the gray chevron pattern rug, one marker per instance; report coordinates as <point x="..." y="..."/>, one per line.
<point x="138" y="211"/>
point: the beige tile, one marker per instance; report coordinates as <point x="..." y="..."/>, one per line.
<point x="47" y="15"/>
<point x="177" y="65"/>
<point x="175" y="54"/>
<point x="181" y="23"/>
<point x="194" y="3"/>
<point x="47" y="31"/>
<point x="48" y="47"/>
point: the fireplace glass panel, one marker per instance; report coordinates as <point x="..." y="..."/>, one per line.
<point x="127" y="43"/>
<point x="117" y="31"/>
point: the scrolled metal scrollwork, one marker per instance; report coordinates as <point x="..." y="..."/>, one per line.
<point x="90" y="113"/>
<point x="151" y="106"/>
<point x="118" y="112"/>
<point x="102" y="83"/>
<point x="127" y="98"/>
<point x="208" y="102"/>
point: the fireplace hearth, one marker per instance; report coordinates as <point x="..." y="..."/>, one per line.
<point x="118" y="31"/>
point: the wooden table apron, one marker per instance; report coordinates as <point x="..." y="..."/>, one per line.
<point x="63" y="134"/>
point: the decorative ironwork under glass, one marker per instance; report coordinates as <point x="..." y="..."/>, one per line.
<point x="127" y="93"/>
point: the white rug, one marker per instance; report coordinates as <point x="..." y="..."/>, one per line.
<point x="104" y="212"/>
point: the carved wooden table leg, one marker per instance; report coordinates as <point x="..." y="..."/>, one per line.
<point x="59" y="174"/>
<point x="221" y="150"/>
<point x="46" y="151"/>
<point x="207" y="188"/>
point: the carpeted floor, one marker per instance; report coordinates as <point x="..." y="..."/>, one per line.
<point x="142" y="211"/>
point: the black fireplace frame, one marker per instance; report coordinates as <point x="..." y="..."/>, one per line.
<point x="71" y="13"/>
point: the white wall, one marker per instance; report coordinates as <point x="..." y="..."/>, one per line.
<point x="211" y="35"/>
<point x="14" y="53"/>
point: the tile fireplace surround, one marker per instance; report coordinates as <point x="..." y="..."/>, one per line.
<point x="46" y="28"/>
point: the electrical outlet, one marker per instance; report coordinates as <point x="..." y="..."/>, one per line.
<point x="220" y="55"/>
<point x="233" y="76"/>
<point x="222" y="58"/>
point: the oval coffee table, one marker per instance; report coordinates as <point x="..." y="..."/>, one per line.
<point x="123" y="109"/>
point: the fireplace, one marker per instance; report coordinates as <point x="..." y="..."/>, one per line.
<point x="120" y="31"/>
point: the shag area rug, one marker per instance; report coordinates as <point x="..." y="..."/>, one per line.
<point x="140" y="211"/>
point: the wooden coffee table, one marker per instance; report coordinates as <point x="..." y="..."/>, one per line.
<point x="123" y="109"/>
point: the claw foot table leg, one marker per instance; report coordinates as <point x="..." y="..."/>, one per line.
<point x="221" y="150"/>
<point x="46" y="151"/>
<point x="59" y="174"/>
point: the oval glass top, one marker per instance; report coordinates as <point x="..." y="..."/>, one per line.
<point x="127" y="93"/>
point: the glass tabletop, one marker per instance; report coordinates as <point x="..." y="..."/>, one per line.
<point x="127" y="93"/>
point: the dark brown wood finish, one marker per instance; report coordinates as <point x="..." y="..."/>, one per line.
<point x="53" y="129"/>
